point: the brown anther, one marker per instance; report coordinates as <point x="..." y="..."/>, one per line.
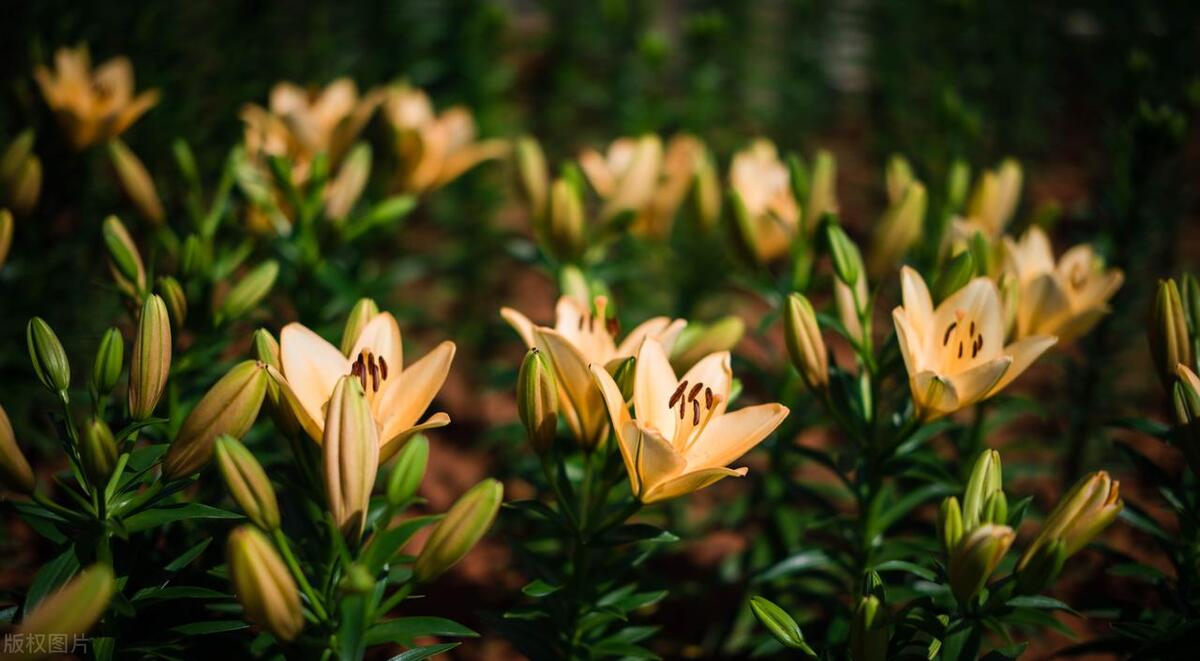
<point x="708" y="397"/>
<point x="960" y="348"/>
<point x="383" y="368"/>
<point x="374" y="376"/>
<point x="972" y="329"/>
<point x="695" y="412"/>
<point x="949" y="329"/>
<point x="678" y="393"/>
<point x="612" y="326"/>
<point x="582" y="321"/>
<point x="981" y="340"/>
<point x="695" y="390"/>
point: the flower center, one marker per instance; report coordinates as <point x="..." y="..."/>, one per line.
<point x="695" y="406"/>
<point x="371" y="370"/>
<point x="960" y="340"/>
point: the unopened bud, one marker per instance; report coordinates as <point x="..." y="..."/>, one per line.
<point x="983" y="252"/>
<point x="950" y="524"/>
<point x="898" y="230"/>
<point x="706" y="192"/>
<point x="347" y="187"/>
<point x="98" y="450"/>
<point x="172" y="294"/>
<point x="847" y="260"/>
<point x="124" y="260"/>
<point x="6" y="234"/>
<point x="985" y="480"/>
<point x="869" y="631"/>
<point x="229" y="407"/>
<point x="850" y="306"/>
<point x="110" y="357"/>
<point x="15" y="473"/>
<point x="263" y="585"/>
<point x="623" y="371"/>
<point x="15" y="155"/>
<point x="47" y="355"/>
<point x="897" y="177"/>
<point x="351" y="456"/>
<point x="1186" y="400"/>
<point x="266" y="350"/>
<point x="699" y="340"/>
<point x="954" y="275"/>
<point x="1093" y="503"/>
<point x="805" y="345"/>
<point x="1189" y="292"/>
<point x="958" y="181"/>
<point x="136" y="181"/>
<point x="360" y="315"/>
<point x="26" y="187"/>
<point x="532" y="174"/>
<point x="780" y="624"/>
<point x="995" y="509"/>
<point x="248" y="292"/>
<point x="975" y="558"/>
<point x="150" y="362"/>
<point x="408" y="471"/>
<point x="73" y="608"/>
<point x="563" y="225"/>
<point x="537" y="401"/>
<point x="248" y="482"/>
<point x="458" y="532"/>
<point x="822" y="190"/>
<point x="1170" y="342"/>
<point x="194" y="257"/>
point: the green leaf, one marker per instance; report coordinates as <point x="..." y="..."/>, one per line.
<point x="1041" y="602"/>
<point x="158" y="516"/>
<point x="152" y="594"/>
<point x="539" y="588"/>
<point x="638" y="532"/>
<point x="351" y="641"/>
<point x="418" y="653"/>
<point x="780" y="624"/>
<point x="802" y="561"/>
<point x="209" y="626"/>
<point x="384" y="545"/>
<point x="189" y="555"/>
<point x="52" y="575"/>
<point x="902" y="565"/>
<point x="404" y="630"/>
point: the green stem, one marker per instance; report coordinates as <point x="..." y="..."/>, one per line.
<point x="563" y="504"/>
<point x="285" y="548"/>
<point x="397" y="597"/>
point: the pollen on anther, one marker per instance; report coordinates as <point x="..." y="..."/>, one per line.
<point x="695" y="412"/>
<point x="695" y="391"/>
<point x="960" y="349"/>
<point x="708" y="397"/>
<point x="949" y="329"/>
<point x="382" y="368"/>
<point x="677" y="394"/>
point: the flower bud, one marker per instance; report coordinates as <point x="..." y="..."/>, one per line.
<point x="954" y="275"/>
<point x="15" y="473"/>
<point x="1186" y="400"/>
<point x="360" y="315"/>
<point x="699" y="340"/>
<point x="15" y="155"/>
<point x="898" y="230"/>
<point x="1170" y="342"/>
<point x="194" y="257"/>
<point x="897" y="177"/>
<point x="1042" y="568"/>
<point x="150" y="362"/>
<point x="985" y="480"/>
<point x="262" y="584"/>
<point x="847" y="302"/>
<point x="1091" y="505"/>
<point x="408" y="471"/>
<point x="805" y="344"/>
<point x="623" y="371"/>
<point x="47" y="355"/>
<point x="563" y="225"/>
<point x="537" y="401"/>
<point x="950" y="524"/>
<point x="459" y="531"/>
<point x="781" y="625"/>
<point x="266" y="350"/>
<point x="98" y="450"/>
<point x="745" y="231"/>
<point x="110" y="358"/>
<point x="532" y="174"/>
<point x="572" y="282"/>
<point x="1189" y="292"/>
<point x="822" y="191"/>
<point x="869" y="631"/>
<point x="26" y="186"/>
<point x="172" y="294"/>
<point x="706" y="192"/>
<point x="958" y="180"/>
<point x="351" y="453"/>
<point x="229" y="407"/>
<point x="995" y="509"/>
<point x="347" y="187"/>
<point x="136" y="182"/>
<point x="6" y="234"/>
<point x="248" y="292"/>
<point x="124" y="260"/>
<point x="847" y="261"/>
<point x="73" y="608"/>
<point x="247" y="482"/>
<point x="975" y="557"/>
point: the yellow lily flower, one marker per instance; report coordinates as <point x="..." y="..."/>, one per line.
<point x="763" y="183"/>
<point x="92" y="105"/>
<point x="637" y="174"/>
<point x="680" y="438"/>
<point x="993" y="202"/>
<point x="579" y="339"/>
<point x="955" y="355"/>
<point x="1065" y="299"/>
<point x="398" y="396"/>
<point x="434" y="149"/>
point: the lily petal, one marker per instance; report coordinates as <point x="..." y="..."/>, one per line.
<point x="394" y="445"/>
<point x="654" y="383"/>
<point x="689" y="482"/>
<point x="655" y="461"/>
<point x="730" y="436"/>
<point x="521" y="324"/>
<point x="314" y="427"/>
<point x="933" y="395"/>
<point x="917" y="302"/>
<point x="1044" y="304"/>
<point x="979" y="382"/>
<point x="713" y="371"/>
<point x="912" y="349"/>
<point x="1023" y="353"/>
<point x="576" y="385"/>
<point x="415" y="390"/>
<point x="312" y="367"/>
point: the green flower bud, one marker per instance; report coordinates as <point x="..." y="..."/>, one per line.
<point x="347" y="187"/>
<point x="266" y="350"/>
<point x="805" y="345"/>
<point x="950" y="524"/>
<point x="15" y="155"/>
<point x="25" y="188"/>
<point x="983" y="252"/>
<point x="869" y="631"/>
<point x="1091" y="505"/>
<point x="954" y="275"/>
<point x="229" y="407"/>
<point x="745" y="231"/>
<point x="150" y="362"/>
<point x="136" y="181"/>
<point x="1042" y="568"/>
<point x="847" y="261"/>
<point x="124" y="260"/>
<point x="1170" y="342"/>
<point x="706" y="192"/>
<point x="248" y="292"/>
<point x="622" y="371"/>
<point x="984" y="481"/>
<point x="699" y="340"/>
<point x="172" y="294"/>
<point x="574" y="283"/>
<point x="358" y="579"/>
<point x="360" y="315"/>
<point x="110" y="357"/>
<point x="47" y="355"/>
<point x="780" y="624"/>
<point x="958" y="181"/>
<point x="351" y="453"/>
<point x="897" y="177"/>
<point x="562" y="227"/>
<point x="1186" y="400"/>
<point x="532" y="174"/>
<point x="262" y="584"/>
<point x="822" y="192"/>
<point x="975" y="557"/>
<point x="15" y="473"/>
<point x="248" y="482"/>
<point x="537" y="401"/>
<point x="459" y="531"/>
<point x="1189" y="293"/>
<point x="73" y="608"/>
<point x="898" y="230"/>
<point x="995" y="509"/>
<point x="6" y="234"/>
<point x="408" y="471"/>
<point x="98" y="450"/>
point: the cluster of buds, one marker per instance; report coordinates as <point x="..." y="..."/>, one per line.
<point x="20" y="177"/>
<point x="1174" y="333"/>
<point x="902" y="222"/>
<point x="975" y="536"/>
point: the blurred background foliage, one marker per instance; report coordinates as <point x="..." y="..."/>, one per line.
<point x="1098" y="100"/>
